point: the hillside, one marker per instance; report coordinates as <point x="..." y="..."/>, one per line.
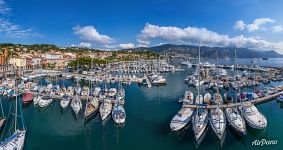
<point x="222" y="52"/>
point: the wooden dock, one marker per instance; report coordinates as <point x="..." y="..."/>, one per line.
<point x="255" y="101"/>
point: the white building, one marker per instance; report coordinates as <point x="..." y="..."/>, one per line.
<point x="36" y="61"/>
<point x="20" y="62"/>
<point x="53" y="55"/>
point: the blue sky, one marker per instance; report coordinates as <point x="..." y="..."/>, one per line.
<point x="113" y="24"/>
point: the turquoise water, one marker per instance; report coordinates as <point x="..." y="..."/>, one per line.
<point x="149" y="111"/>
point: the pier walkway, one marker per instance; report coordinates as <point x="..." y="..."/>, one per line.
<point x="255" y="101"/>
<point x="147" y="81"/>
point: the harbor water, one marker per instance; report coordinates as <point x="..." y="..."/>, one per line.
<point x="149" y="111"/>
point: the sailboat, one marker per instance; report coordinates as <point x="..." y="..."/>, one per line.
<point x="105" y="108"/>
<point x="96" y="91"/>
<point x="200" y="118"/>
<point x="236" y="121"/>
<point x="17" y="139"/>
<point x="119" y="114"/>
<point x="45" y="101"/>
<point x="76" y="104"/>
<point x="70" y="91"/>
<point x="207" y="98"/>
<point x="64" y="102"/>
<point x="91" y="107"/>
<point x="234" y="117"/>
<point x="217" y="117"/>
<point x="85" y="91"/>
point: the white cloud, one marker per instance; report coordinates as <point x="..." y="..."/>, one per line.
<point x="11" y="29"/>
<point x="258" y="24"/>
<point x="15" y="31"/>
<point x="127" y="45"/>
<point x="4" y="9"/>
<point x="277" y="28"/>
<point x="83" y="44"/>
<point x="180" y="35"/>
<point x="194" y="35"/>
<point x="240" y="25"/>
<point x="90" y="34"/>
<point x="256" y="43"/>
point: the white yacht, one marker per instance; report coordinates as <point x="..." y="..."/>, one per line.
<point x="103" y="94"/>
<point x="158" y="80"/>
<point x="85" y="91"/>
<point x="70" y="91"/>
<point x="121" y="94"/>
<point x="36" y="99"/>
<point x="253" y="117"/>
<point x="181" y="119"/>
<point x="97" y="91"/>
<point x="207" y="98"/>
<point x="186" y="63"/>
<point x="200" y="119"/>
<point x="45" y="101"/>
<point x="76" y="104"/>
<point x="236" y="120"/>
<point x="119" y="114"/>
<point x="112" y="92"/>
<point x="217" y="117"/>
<point x="188" y="98"/>
<point x="105" y="109"/>
<point x="64" y="102"/>
<point x="78" y="90"/>
<point x="14" y="142"/>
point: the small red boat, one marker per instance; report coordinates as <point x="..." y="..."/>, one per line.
<point x="27" y="98"/>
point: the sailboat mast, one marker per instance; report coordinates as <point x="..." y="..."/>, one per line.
<point x="235" y="81"/>
<point x="198" y="73"/>
<point x="91" y="72"/>
<point x="16" y="106"/>
<point x="77" y="72"/>
<point x="217" y="67"/>
<point x="2" y="111"/>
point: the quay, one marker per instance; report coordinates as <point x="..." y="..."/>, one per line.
<point x="255" y="101"/>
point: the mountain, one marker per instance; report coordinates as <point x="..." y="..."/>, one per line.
<point x="208" y="52"/>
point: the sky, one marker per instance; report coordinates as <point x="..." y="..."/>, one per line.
<point x="117" y="24"/>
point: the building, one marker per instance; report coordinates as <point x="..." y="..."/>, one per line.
<point x="20" y="62"/>
<point x="36" y="61"/>
<point x="6" y="68"/>
<point x="53" y="55"/>
<point x="4" y="57"/>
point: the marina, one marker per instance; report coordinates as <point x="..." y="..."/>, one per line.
<point x="83" y="97"/>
